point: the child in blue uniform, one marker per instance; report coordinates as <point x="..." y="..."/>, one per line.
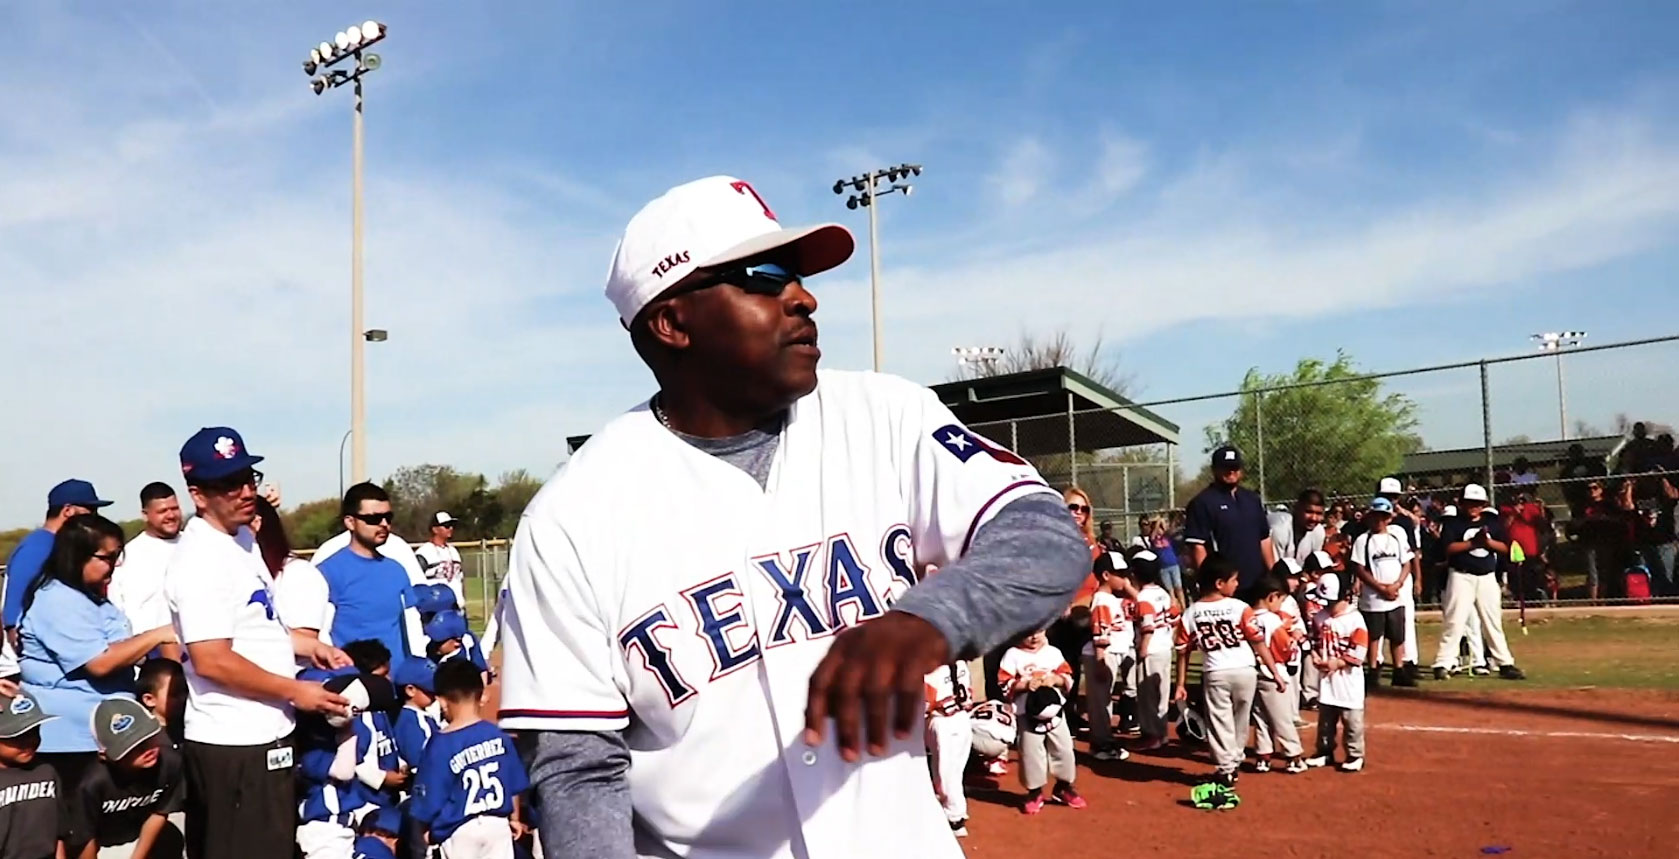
<point x="334" y="789"/>
<point x="467" y="793"/>
<point x="414" y="728"/>
<point x="378" y="835"/>
<point x="450" y="639"/>
<point x="377" y="764"/>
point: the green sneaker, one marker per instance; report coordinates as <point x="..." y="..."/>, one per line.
<point x="1214" y="795"/>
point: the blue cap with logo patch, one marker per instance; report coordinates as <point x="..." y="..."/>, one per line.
<point x="214" y="453"/>
<point x="121" y="725"/>
<point x="445" y="625"/>
<point x="20" y="714"/>
<point x="75" y="492"/>
<point x="416" y="672"/>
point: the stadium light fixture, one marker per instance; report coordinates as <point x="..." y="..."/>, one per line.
<point x="351" y="44"/>
<point x="867" y="188"/>
<point x="1555" y="342"/>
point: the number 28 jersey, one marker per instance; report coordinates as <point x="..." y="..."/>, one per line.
<point x="1223" y="630"/>
<point x="464" y="774"/>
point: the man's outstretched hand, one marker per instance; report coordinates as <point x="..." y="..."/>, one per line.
<point x="873" y="674"/>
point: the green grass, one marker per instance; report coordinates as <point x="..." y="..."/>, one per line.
<point x="1613" y="651"/>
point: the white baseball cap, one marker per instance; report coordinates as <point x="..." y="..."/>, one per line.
<point x="708" y="223"/>
<point x="1474" y="492"/>
<point x="443" y="518"/>
<point x="1329" y="588"/>
<point x="1389" y="486"/>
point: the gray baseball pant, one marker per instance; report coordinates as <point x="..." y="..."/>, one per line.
<point x="1099" y="675"/>
<point x="1045" y="755"/>
<point x="1351" y="723"/>
<point x="1229" y="695"/>
<point x="1274" y="721"/>
<point x="1153" y="694"/>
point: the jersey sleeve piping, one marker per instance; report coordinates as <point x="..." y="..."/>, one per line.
<point x="985" y="508"/>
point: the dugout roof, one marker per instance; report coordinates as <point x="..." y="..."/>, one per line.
<point x="1039" y="402"/>
<point x="1431" y="463"/>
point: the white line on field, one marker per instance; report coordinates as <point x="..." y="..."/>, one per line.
<point x="1508" y="732"/>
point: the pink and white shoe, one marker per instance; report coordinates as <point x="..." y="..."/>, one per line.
<point x="1070" y="797"/>
<point x="1033" y="805"/>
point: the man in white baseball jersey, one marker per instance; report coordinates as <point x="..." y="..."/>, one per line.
<point x="441" y="561"/>
<point x="685" y="678"/>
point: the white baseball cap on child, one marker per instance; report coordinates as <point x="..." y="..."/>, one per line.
<point x="1329" y="588"/>
<point x="708" y="223"/>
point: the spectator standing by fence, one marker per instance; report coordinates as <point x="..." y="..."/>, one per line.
<point x="1300" y="532"/>
<point x="1230" y="519"/>
<point x="440" y="561"/>
<point x="1576" y="472"/>
<point x="1158" y="535"/>
<point x="1474" y="540"/>
<point x="70" y="498"/>
<point x="137" y="584"/>
<point x="240" y="670"/>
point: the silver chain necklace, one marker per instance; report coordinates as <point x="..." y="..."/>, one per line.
<point x="659" y="412"/>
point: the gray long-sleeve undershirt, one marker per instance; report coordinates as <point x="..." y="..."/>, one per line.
<point x="1020" y="571"/>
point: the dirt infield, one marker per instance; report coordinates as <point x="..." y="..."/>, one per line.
<point x="1541" y="773"/>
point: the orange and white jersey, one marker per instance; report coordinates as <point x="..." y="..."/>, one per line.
<point x="995" y="719"/>
<point x="1111" y="624"/>
<point x="1345" y="638"/>
<point x="1290" y="610"/>
<point x="1275" y="632"/>
<point x="1156" y="616"/>
<point x="1019" y="662"/>
<point x="950" y="689"/>
<point x="1223" y="629"/>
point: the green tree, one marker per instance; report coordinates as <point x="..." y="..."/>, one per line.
<point x="1341" y="438"/>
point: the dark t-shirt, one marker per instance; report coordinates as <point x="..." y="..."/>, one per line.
<point x="33" y="813"/>
<point x="117" y="804"/>
<point x="1231" y="524"/>
<point x="1477" y="561"/>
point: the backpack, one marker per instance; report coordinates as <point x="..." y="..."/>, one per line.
<point x="1638" y="584"/>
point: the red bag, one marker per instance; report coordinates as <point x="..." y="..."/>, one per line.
<point x="1638" y="585"/>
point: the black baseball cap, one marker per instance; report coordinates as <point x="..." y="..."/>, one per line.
<point x="1227" y="458"/>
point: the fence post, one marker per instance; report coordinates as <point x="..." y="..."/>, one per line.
<point x="1072" y="443"/>
<point x="1014" y="436"/>
<point x="1171" y="478"/>
<point x="1486" y="435"/>
<point x="483" y="576"/>
<point x="1125" y="478"/>
<point x="1259" y="440"/>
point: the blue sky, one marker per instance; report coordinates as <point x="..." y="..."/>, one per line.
<point x="1210" y="187"/>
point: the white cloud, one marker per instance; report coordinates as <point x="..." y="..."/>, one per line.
<point x="1122" y="163"/>
<point x="1026" y="167"/>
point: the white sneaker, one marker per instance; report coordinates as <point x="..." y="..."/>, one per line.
<point x="1295" y="766"/>
<point x="1262" y="766"/>
<point x="1319" y="761"/>
<point x="1352" y="766"/>
<point x="959" y="828"/>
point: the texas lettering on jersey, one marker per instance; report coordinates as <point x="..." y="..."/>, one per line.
<point x="715" y="609"/>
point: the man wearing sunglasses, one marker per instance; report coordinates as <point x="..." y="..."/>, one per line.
<point x="752" y="671"/>
<point x="364" y="589"/>
<point x="240" y="669"/>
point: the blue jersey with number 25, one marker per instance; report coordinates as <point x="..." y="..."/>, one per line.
<point x="467" y="773"/>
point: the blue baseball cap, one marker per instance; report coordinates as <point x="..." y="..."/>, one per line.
<point x="446" y="625"/>
<point x="414" y="671"/>
<point x="431" y="599"/>
<point x="77" y="492"/>
<point x="1381" y="505"/>
<point x="214" y="453"/>
<point x="387" y="819"/>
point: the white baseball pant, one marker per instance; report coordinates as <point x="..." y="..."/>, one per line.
<point x="1045" y="755"/>
<point x="1273" y="720"/>
<point x="484" y="837"/>
<point x="950" y="740"/>
<point x="1153" y="695"/>
<point x="1100" y="672"/>
<point x="1408" y="650"/>
<point x="1467" y="593"/>
<point x="323" y="839"/>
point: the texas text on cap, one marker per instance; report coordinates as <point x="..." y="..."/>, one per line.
<point x="705" y="224"/>
<point x="120" y="725"/>
<point x="74" y="492"/>
<point x="1227" y="457"/>
<point x="214" y="453"/>
<point x="20" y="714"/>
<point x="443" y="518"/>
<point x="1474" y="492"/>
<point x="1389" y="486"/>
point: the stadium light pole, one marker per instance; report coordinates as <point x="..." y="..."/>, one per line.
<point x="981" y="357"/>
<point x="1555" y="342"/>
<point x="866" y="189"/>
<point x="351" y="44"/>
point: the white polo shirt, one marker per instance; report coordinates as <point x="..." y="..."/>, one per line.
<point x="137" y="583"/>
<point x="219" y="588"/>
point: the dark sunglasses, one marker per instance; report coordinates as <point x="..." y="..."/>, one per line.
<point x="765" y="278"/>
<point x="232" y="482"/>
<point x="372" y="518"/>
<point x="1078" y="508"/>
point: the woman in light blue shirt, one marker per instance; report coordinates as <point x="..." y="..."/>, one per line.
<point x="75" y="646"/>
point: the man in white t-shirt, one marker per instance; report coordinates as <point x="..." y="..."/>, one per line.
<point x="1381" y="557"/>
<point x="242" y="688"/>
<point x="137" y="584"/>
<point x="1300" y="532"/>
<point x="440" y="561"/>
